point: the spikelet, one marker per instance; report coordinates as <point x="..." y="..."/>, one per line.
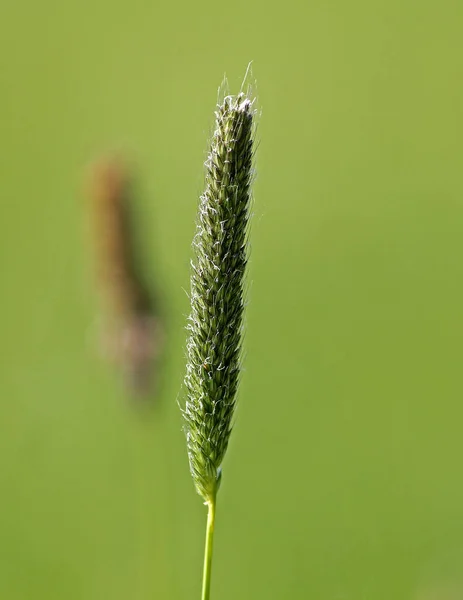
<point x="217" y="292"/>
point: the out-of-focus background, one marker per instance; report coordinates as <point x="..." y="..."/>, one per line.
<point x="343" y="479"/>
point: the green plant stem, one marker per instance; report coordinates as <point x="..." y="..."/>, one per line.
<point x="208" y="549"/>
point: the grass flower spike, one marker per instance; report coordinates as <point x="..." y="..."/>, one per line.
<point x="132" y="336"/>
<point x="217" y="301"/>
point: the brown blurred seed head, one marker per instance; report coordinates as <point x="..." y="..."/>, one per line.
<point x="135" y="337"/>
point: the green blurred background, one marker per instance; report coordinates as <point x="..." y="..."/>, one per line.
<point x="343" y="479"/>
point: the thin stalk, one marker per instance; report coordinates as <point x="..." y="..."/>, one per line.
<point x="208" y="549"/>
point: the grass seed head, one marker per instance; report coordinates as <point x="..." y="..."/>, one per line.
<point x="217" y="292"/>
<point x="133" y="335"/>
